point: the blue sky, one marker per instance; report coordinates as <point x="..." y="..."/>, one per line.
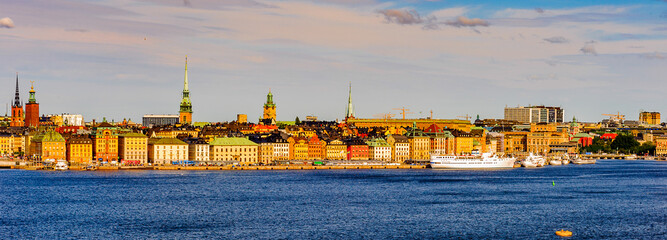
<point x="452" y="57"/>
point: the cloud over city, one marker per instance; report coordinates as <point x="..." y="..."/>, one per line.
<point x="6" y="23"/>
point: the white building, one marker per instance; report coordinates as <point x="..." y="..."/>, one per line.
<point x="162" y="151"/>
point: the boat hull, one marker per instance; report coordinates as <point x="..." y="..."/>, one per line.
<point x="474" y="164"/>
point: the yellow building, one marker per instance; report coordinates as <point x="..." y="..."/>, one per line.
<point x="164" y="151"/>
<point x="234" y="149"/>
<point x="298" y="148"/>
<point x="6" y="144"/>
<point x="336" y="150"/>
<point x="652" y="118"/>
<point x="49" y="145"/>
<point x="661" y="145"/>
<point x="515" y="142"/>
<point x="540" y="142"/>
<point x="463" y="142"/>
<point x="133" y="149"/>
<point x="79" y="150"/>
<point x="400" y="148"/>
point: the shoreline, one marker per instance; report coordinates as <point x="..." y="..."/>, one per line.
<point x="228" y="168"/>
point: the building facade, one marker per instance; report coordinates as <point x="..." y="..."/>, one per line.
<point x="535" y="114"/>
<point x="151" y="120"/>
<point x="400" y="148"/>
<point x="336" y="150"/>
<point x="17" y="108"/>
<point x="269" y="113"/>
<point x="49" y="145"/>
<point x="651" y="118"/>
<point x="133" y="149"/>
<point x="105" y="143"/>
<point x="234" y="149"/>
<point x="79" y="150"/>
<point x="164" y="151"/>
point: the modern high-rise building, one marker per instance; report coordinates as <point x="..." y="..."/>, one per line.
<point x="652" y="118"/>
<point x="17" y="108"/>
<point x="151" y="120"/>
<point x="185" y="114"/>
<point x="32" y="110"/>
<point x="534" y="114"/>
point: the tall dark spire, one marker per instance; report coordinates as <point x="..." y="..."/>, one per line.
<point x="17" y="98"/>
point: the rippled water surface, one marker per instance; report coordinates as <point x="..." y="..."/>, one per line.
<point x="613" y="199"/>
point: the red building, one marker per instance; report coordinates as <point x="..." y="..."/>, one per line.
<point x="357" y="150"/>
<point x="32" y="110"/>
<point x="610" y="136"/>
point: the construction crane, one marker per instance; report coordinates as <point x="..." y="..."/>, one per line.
<point x="615" y="117"/>
<point x="466" y="117"/>
<point x="403" y="111"/>
<point x="384" y="116"/>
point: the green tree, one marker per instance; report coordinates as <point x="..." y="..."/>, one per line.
<point x="646" y="148"/>
<point x="624" y="143"/>
<point x="297" y="121"/>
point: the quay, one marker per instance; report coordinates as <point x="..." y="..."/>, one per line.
<point x="232" y="168"/>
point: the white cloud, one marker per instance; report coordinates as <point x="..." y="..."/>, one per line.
<point x="6" y="23"/>
<point x="557" y="40"/>
<point x="401" y="16"/>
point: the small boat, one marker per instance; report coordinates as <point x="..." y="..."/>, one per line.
<point x="579" y="160"/>
<point x="555" y="162"/>
<point x="631" y="157"/>
<point x="564" y="233"/>
<point x="61" y="165"/>
<point x="533" y="161"/>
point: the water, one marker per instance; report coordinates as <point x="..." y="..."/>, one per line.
<point x="613" y="199"/>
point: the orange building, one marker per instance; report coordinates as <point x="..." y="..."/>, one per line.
<point x="316" y="148"/>
<point x="105" y="143"/>
<point x="357" y="150"/>
<point x="185" y="114"/>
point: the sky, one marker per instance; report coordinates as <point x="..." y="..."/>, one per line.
<point x="125" y="58"/>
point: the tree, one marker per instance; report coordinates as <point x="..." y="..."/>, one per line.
<point x="624" y="143"/>
<point x="646" y="148"/>
<point x="297" y="121"/>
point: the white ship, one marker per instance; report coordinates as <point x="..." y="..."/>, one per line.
<point x="579" y="160"/>
<point x="486" y="160"/>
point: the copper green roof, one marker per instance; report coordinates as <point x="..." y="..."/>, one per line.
<point x="133" y="134"/>
<point x="49" y="136"/>
<point x="377" y="142"/>
<point x="232" y="141"/>
<point x="166" y="141"/>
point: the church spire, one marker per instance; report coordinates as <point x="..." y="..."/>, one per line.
<point x="186" y="105"/>
<point x="350" y="109"/>
<point x="17" y="98"/>
<point x="185" y="84"/>
<point x="32" y="99"/>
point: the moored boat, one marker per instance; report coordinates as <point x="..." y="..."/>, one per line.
<point x="61" y="165"/>
<point x="485" y="160"/>
<point x="532" y="161"/>
<point x="579" y="160"/>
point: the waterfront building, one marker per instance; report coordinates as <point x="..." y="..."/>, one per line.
<point x="463" y="142"/>
<point x="542" y="136"/>
<point x="379" y="149"/>
<point x="32" y="110"/>
<point x="237" y="149"/>
<point x="336" y="150"/>
<point x="515" y="142"/>
<point x="79" y="150"/>
<point x="49" y="145"/>
<point x="420" y="144"/>
<point x="298" y="148"/>
<point x="280" y="148"/>
<point x="495" y="142"/>
<point x="17" y="108"/>
<point x="151" y="120"/>
<point x="535" y="114"/>
<point x="164" y="151"/>
<point x="479" y="139"/>
<point x="441" y="141"/>
<point x="651" y="118"/>
<point x="357" y="149"/>
<point x="6" y="144"/>
<point x="185" y="114"/>
<point x="105" y="142"/>
<point x="400" y="147"/>
<point x="316" y="148"/>
<point x="19" y="143"/>
<point x="198" y="149"/>
<point x="133" y="148"/>
<point x="265" y="151"/>
<point x="661" y="145"/>
<point x="269" y="114"/>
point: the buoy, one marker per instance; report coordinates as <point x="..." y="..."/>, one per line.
<point x="564" y="233"/>
<point x="554" y="183"/>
